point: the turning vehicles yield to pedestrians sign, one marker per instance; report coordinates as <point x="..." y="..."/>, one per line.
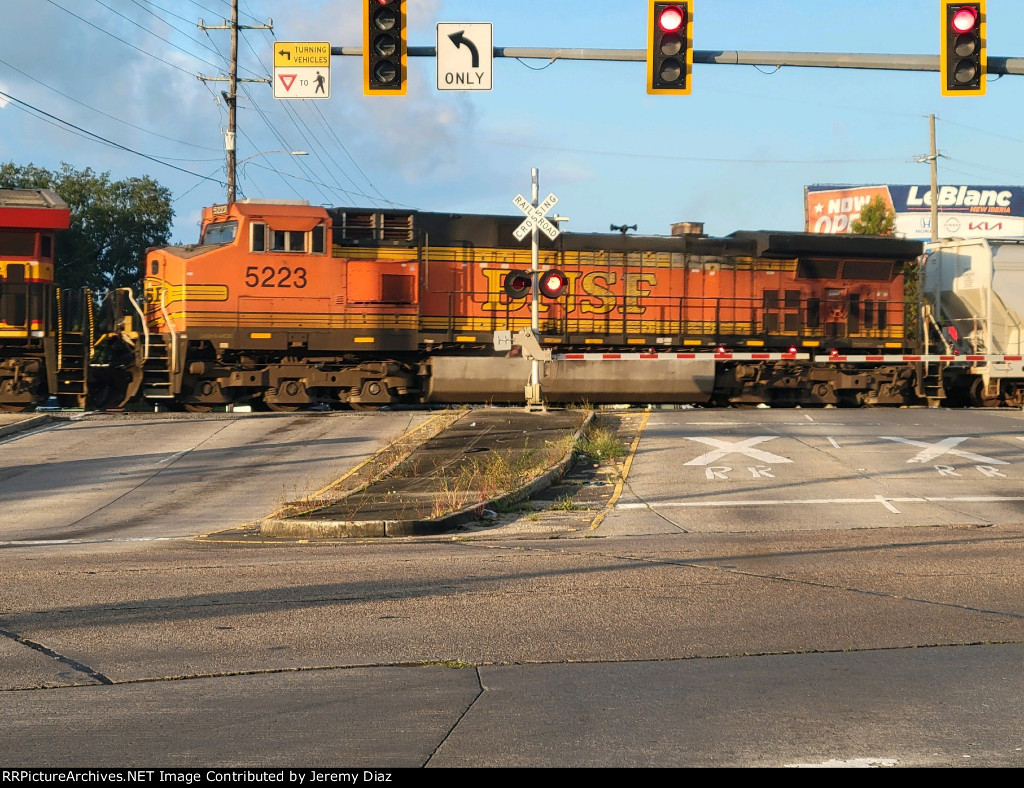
<point x="302" y="70"/>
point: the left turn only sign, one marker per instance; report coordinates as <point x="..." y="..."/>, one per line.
<point x="302" y="70"/>
<point x="465" y="55"/>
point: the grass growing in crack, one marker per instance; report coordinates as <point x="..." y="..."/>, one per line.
<point x="494" y="476"/>
<point x="564" y="504"/>
<point x="602" y="443"/>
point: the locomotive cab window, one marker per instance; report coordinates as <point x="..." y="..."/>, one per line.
<point x="258" y="237"/>
<point x="220" y="233"/>
<point x="287" y="241"/>
<point x="318" y="239"/>
<point x="17" y="244"/>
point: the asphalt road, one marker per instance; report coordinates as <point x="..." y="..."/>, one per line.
<point x="172" y="475"/>
<point x="557" y="637"/>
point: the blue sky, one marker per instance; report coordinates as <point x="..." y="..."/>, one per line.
<point x="735" y="154"/>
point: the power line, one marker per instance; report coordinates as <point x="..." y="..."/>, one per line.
<point x="127" y="44"/>
<point x="105" y="114"/>
<point x="98" y="138"/>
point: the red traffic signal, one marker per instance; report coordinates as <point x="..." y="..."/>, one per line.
<point x="670" y="18"/>
<point x="518" y="284"/>
<point x="669" y="47"/>
<point x="553" y="283"/>
<point x="964" y="19"/>
<point x="963" y="61"/>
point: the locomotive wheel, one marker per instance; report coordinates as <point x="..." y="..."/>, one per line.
<point x="196" y="407"/>
<point x="14" y="407"/>
<point x="1013" y="395"/>
<point x="364" y="406"/>
<point x="277" y="407"/>
<point x="979" y="396"/>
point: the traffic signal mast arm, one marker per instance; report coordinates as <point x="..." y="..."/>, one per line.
<point x="996" y="65"/>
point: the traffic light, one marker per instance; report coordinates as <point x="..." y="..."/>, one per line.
<point x="552" y="283"/>
<point x="518" y="284"/>
<point x="963" y="61"/>
<point x="669" y="47"/>
<point x="384" y="47"/>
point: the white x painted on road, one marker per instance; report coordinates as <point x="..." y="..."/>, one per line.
<point x="725" y="448"/>
<point x="933" y="450"/>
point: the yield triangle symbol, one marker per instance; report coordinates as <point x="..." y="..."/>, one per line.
<point x="287" y="80"/>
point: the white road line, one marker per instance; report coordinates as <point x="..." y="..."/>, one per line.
<point x="834" y="444"/>
<point x="41" y="542"/>
<point x="825" y="501"/>
<point x="855" y="763"/>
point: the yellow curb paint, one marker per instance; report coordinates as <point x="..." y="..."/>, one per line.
<point x="622" y="477"/>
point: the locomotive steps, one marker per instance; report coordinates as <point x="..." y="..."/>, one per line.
<point x="460" y="467"/>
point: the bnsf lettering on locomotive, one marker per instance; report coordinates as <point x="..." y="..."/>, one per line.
<point x="271" y="276"/>
<point x="590" y="293"/>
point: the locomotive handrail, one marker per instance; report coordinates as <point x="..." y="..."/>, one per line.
<point x="142" y="322"/>
<point x="60" y="331"/>
<point x="92" y="321"/>
<point x="170" y="328"/>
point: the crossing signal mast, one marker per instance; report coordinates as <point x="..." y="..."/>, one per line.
<point x="669" y="47"/>
<point x="964" y="60"/>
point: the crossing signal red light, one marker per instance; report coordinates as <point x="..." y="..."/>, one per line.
<point x="384" y="47"/>
<point x="669" y="47"/>
<point x="964" y="61"/>
<point x="553" y="283"/>
<point x="518" y="284"/>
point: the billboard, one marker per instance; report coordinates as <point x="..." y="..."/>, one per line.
<point x="963" y="211"/>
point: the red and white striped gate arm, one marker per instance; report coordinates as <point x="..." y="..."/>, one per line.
<point x="898" y="359"/>
<point x="722" y="356"/>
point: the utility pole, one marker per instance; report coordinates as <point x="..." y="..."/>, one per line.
<point x="231" y="96"/>
<point x="933" y="157"/>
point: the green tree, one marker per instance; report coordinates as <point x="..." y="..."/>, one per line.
<point x="875" y="219"/>
<point x="112" y="222"/>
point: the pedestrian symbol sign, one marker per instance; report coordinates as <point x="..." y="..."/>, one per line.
<point x="302" y="70"/>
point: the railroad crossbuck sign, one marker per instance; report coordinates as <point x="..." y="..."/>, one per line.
<point x="302" y="70"/>
<point x="465" y="56"/>
<point x="535" y="217"/>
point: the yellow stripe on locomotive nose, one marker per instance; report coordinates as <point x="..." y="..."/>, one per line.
<point x="364" y="340"/>
<point x="260" y="336"/>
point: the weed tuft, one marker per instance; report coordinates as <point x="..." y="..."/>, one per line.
<point x="602" y="443"/>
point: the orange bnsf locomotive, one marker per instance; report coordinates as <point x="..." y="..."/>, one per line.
<point x="290" y="305"/>
<point x="46" y="333"/>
